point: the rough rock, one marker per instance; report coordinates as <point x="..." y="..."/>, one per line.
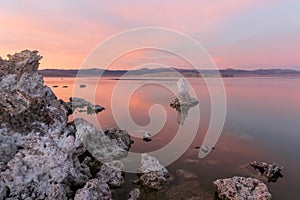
<point x="188" y="190"/>
<point x="239" y="188"/>
<point x="112" y="173"/>
<point x="94" y="189"/>
<point x="153" y="174"/>
<point x="135" y="194"/>
<point x="40" y="151"/>
<point x="43" y="163"/>
<point x="25" y="103"/>
<point x="183" y="102"/>
<point x="121" y="137"/>
<point x="147" y="136"/>
<point x="106" y="146"/>
<point x="271" y="171"/>
<point x="8" y="148"/>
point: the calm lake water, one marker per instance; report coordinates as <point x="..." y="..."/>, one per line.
<point x="262" y="123"/>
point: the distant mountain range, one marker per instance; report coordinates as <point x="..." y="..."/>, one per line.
<point x="167" y="72"/>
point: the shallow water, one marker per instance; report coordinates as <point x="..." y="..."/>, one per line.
<point x="262" y="123"/>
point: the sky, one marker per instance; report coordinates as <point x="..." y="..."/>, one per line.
<point x="245" y="34"/>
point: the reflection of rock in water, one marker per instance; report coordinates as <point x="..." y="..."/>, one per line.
<point x="183" y="102"/>
<point x="271" y="171"/>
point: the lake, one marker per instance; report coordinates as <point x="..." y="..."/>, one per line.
<point x="262" y="123"/>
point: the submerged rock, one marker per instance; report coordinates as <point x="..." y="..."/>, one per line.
<point x="183" y="102"/>
<point x="135" y="194"/>
<point x="94" y="189"/>
<point x="188" y="190"/>
<point x="271" y="171"/>
<point x="185" y="175"/>
<point x="238" y="188"/>
<point x="153" y="174"/>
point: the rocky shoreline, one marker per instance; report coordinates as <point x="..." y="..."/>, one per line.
<point x="45" y="156"/>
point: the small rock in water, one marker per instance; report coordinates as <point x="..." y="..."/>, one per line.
<point x="185" y="175"/>
<point x="239" y="188"/>
<point x="135" y="194"/>
<point x="271" y="171"/>
<point x="147" y="136"/>
<point x="65" y="86"/>
<point x="183" y="102"/>
<point x="82" y="86"/>
<point x="55" y="86"/>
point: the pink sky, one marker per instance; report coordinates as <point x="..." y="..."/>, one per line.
<point x="245" y="34"/>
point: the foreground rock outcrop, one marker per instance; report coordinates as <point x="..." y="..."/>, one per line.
<point x="239" y="188"/>
<point x="43" y="156"/>
<point x="271" y="171"/>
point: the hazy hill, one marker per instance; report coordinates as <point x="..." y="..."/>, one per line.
<point x="168" y="72"/>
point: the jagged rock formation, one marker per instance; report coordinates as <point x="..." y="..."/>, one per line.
<point x="183" y="102"/>
<point x="238" y="188"/>
<point x="271" y="171"/>
<point x="153" y="174"/>
<point x="26" y="105"/>
<point x="42" y="155"/>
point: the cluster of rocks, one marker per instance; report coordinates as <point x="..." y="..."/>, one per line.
<point x="271" y="171"/>
<point x="43" y="156"/>
<point x="183" y="102"/>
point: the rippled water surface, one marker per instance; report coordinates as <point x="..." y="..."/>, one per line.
<point x="262" y="123"/>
